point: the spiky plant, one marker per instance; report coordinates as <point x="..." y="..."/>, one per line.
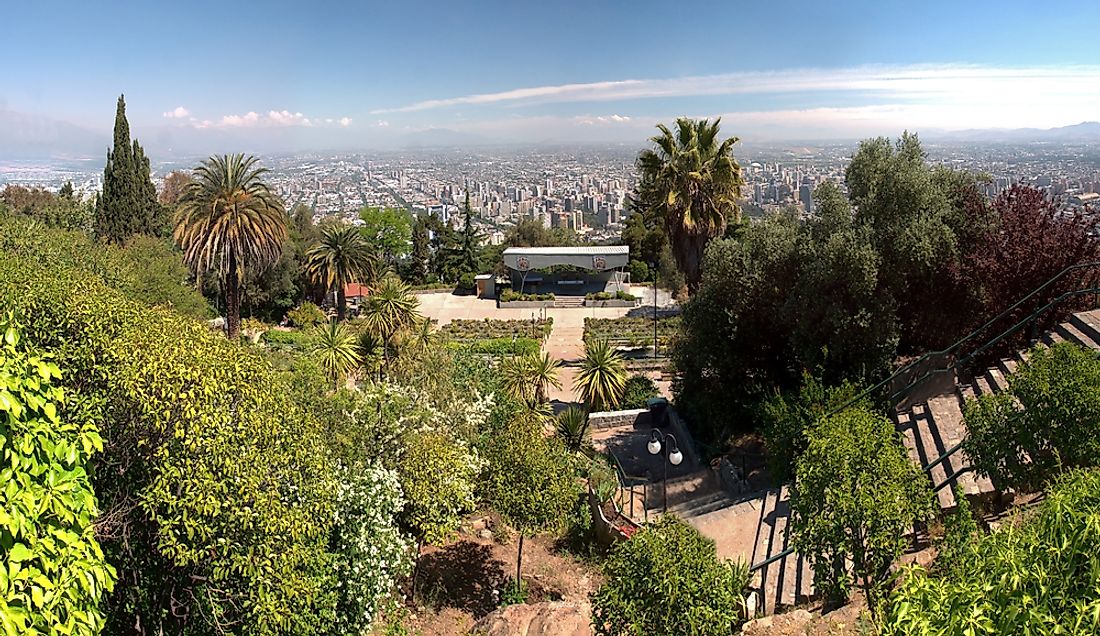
<point x="390" y="309"/>
<point x="228" y="220"/>
<point x="336" y="349"/>
<point x="602" y="378"/>
<point x="572" y="428"/>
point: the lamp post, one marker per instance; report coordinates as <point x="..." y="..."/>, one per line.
<point x="653" y="270"/>
<point x="674" y="456"/>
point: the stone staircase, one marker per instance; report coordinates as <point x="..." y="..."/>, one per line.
<point x="787" y="581"/>
<point x="934" y="426"/>
<point x="568" y="302"/>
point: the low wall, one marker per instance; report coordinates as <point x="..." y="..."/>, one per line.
<point x="607" y="533"/>
<point x="611" y="303"/>
<point x="525" y="304"/>
<point x="611" y="419"/>
<point x="441" y="290"/>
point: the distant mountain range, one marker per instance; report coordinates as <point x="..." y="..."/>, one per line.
<point x="27" y="136"/>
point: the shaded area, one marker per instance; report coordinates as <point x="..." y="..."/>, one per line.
<point x="463" y="575"/>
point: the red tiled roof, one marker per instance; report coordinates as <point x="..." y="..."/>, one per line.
<point x="356" y="290"/>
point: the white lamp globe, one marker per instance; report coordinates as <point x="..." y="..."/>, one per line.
<point x="675" y="457"/>
<point x="654" y="446"/>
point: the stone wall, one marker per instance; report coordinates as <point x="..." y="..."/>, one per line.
<point x="612" y="419"/>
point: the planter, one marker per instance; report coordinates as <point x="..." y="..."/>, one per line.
<point x="441" y="290"/>
<point x="615" y="302"/>
<point x="525" y="304"/>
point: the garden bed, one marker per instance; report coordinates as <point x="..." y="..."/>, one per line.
<point x="525" y="304"/>
<point x="491" y="328"/>
<point x="610" y="303"/>
<point x="631" y="331"/>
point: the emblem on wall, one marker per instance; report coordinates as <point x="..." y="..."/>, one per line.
<point x="523" y="264"/>
<point x="599" y="263"/>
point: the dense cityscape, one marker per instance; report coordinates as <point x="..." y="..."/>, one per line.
<point x="583" y="189"/>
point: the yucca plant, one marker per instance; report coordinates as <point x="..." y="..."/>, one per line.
<point x="602" y="378"/>
<point x="390" y="309"/>
<point x="336" y="349"/>
<point x="572" y="428"/>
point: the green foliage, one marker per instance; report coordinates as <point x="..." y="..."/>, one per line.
<point x="785" y="417"/>
<point x="571" y="427"/>
<point x="1038" y="577"/>
<point x="691" y="182"/>
<point x="388" y="231"/>
<point x="602" y="378"/>
<point x="62" y="211"/>
<point x="53" y="574"/>
<point x="527" y="378"/>
<point x="637" y="391"/>
<point x="340" y="257"/>
<point x="1044" y="424"/>
<point x="639" y="271"/>
<point x="161" y="277"/>
<point x="510" y="295"/>
<point x="528" y="478"/>
<point x="500" y="347"/>
<point x="514" y="593"/>
<point x="128" y="204"/>
<point x="306" y="315"/>
<point x="856" y="495"/>
<point x="438" y="476"/>
<point x="631" y="330"/>
<point x="336" y="350"/>
<point x="372" y="553"/>
<point x="490" y="328"/>
<point x="667" y="579"/>
<point x="466" y="281"/>
<point x="956" y="549"/>
<point x="288" y="340"/>
<point x="221" y="487"/>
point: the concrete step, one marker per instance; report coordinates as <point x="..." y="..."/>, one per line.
<point x="1073" y="334"/>
<point x="703" y="505"/>
<point x="923" y="446"/>
<point x="1088" y="323"/>
<point x="789" y="580"/>
<point x="996" y="379"/>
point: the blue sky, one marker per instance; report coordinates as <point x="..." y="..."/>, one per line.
<point x="529" y="71"/>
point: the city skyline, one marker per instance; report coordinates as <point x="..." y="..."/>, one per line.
<point x="432" y="74"/>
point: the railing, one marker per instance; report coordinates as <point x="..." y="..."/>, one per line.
<point x="956" y="364"/>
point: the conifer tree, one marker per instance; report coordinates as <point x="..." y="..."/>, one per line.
<point x="470" y="239"/>
<point x="128" y="204"/>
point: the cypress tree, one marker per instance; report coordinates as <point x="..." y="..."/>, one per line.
<point x="128" y="204"/>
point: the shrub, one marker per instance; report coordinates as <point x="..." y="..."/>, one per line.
<point x="1044" y="424"/>
<point x="306" y="315"/>
<point x="222" y="487"/>
<point x="667" y="579"/>
<point x="509" y="295"/>
<point x="638" y="390"/>
<point x="295" y="340"/>
<point x="1037" y="577"/>
<point x="438" y="476"/>
<point x="639" y="272"/>
<point x="53" y="572"/>
<point x="622" y="295"/>
<point x="466" y="281"/>
<point x="572" y="428"/>
<point x="856" y="496"/>
<point x="499" y="346"/>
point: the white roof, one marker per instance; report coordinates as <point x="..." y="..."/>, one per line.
<point x="586" y="250"/>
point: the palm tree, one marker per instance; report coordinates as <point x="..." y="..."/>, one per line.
<point x="228" y="220"/>
<point x="336" y="349"/>
<point x="544" y="373"/>
<point x="370" y="353"/>
<point x="602" y="378"/>
<point x="572" y="428"/>
<point x="691" y="182"/>
<point x="341" y="256"/>
<point x="389" y="310"/>
<point x="515" y="379"/>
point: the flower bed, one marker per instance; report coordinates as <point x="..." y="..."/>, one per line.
<point x="509" y="295"/>
<point x="631" y="331"/>
<point x="489" y="328"/>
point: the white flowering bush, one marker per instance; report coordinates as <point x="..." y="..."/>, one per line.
<point x="371" y="553"/>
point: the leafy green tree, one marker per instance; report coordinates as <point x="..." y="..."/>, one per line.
<point x="56" y="211"/>
<point x="388" y="231"/>
<point x="421" y="256"/>
<point x="128" y="204"/>
<point x="637" y="391"/>
<point x="470" y="256"/>
<point x="690" y="181"/>
<point x="856" y="496"/>
<point x="341" y="257"/>
<point x="602" y="378"/>
<point x="161" y="278"/>
<point x="228" y="221"/>
<point x="53" y="570"/>
<point x="667" y="579"/>
<point x="1032" y="577"/>
<point x="438" y="476"/>
<point x="336" y="350"/>
<point x="307" y="315"/>
<point x="1044" y="424"/>
<point x="528" y="480"/>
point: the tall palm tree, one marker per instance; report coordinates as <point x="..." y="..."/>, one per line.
<point x="340" y="256"/>
<point x="228" y="220"/>
<point x="389" y="310"/>
<point x="691" y="182"/>
<point x="602" y="378"/>
<point x="336" y="349"/>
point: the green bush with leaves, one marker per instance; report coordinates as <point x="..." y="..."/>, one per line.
<point x="785" y="416"/>
<point x="439" y="478"/>
<point x="667" y="579"/>
<point x="509" y="295"/>
<point x="499" y="346"/>
<point x="639" y="389"/>
<point x="856" y="496"/>
<point x="53" y="574"/>
<point x="291" y="340"/>
<point x="220" y="488"/>
<point x="1036" y="577"/>
<point x="1045" y="423"/>
<point x="306" y="315"/>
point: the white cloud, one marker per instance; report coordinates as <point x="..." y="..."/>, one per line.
<point x="179" y="112"/>
<point x="587" y="120"/>
<point x="270" y="119"/>
<point x="382" y="123"/>
<point x="945" y="82"/>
